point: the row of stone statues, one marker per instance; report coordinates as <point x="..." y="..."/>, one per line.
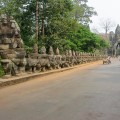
<point x="15" y="60"/>
<point x="20" y="61"/>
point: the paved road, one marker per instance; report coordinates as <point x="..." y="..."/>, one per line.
<point x="87" y="93"/>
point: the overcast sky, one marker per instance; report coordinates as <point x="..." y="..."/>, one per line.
<point x="105" y="9"/>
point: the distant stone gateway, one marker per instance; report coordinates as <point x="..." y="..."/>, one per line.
<point x="114" y="39"/>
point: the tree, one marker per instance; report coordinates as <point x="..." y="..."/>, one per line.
<point x="106" y="25"/>
<point x="37" y="23"/>
<point x="82" y="12"/>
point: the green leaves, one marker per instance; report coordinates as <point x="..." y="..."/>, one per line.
<point x="86" y="41"/>
<point x="62" y="23"/>
<point x="82" y="12"/>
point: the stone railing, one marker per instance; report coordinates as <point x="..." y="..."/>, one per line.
<point x="15" y="60"/>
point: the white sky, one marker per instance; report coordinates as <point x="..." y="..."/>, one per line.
<point x="105" y="9"/>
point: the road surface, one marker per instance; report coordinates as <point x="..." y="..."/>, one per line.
<point x="87" y="93"/>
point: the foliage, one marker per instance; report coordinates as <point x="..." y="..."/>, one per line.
<point x="82" y="12"/>
<point x="62" y="23"/>
<point x="86" y="40"/>
<point x="1" y="71"/>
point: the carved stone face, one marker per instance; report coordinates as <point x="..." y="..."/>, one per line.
<point x="51" y="51"/>
<point x="43" y="50"/>
<point x="12" y="25"/>
<point x="16" y="33"/>
<point x="4" y="21"/>
<point x="35" y="49"/>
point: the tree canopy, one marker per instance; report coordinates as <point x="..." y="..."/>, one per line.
<point x="61" y="23"/>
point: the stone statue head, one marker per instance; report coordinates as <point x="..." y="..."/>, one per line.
<point x="66" y="52"/>
<point x="35" y="48"/>
<point x="51" y="52"/>
<point x="4" y="19"/>
<point x="57" y="51"/>
<point x="9" y="26"/>
<point x="70" y="53"/>
<point x="43" y="50"/>
<point x="73" y="53"/>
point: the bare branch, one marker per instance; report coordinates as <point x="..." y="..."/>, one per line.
<point x="107" y="25"/>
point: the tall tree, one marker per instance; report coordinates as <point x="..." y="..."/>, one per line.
<point x="106" y="25"/>
<point x="82" y="12"/>
<point x="37" y="23"/>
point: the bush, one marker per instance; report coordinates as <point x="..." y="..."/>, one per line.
<point x="1" y="71"/>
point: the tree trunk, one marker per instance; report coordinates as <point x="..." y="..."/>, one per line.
<point x="37" y="27"/>
<point x="43" y="28"/>
<point x="37" y="24"/>
<point x="106" y="33"/>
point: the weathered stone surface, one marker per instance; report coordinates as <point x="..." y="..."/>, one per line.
<point x="57" y="51"/>
<point x="0" y="41"/>
<point x="4" y="46"/>
<point x="5" y="61"/>
<point x="10" y="56"/>
<point x="11" y="45"/>
<point x="21" y="54"/>
<point x="35" y="48"/>
<point x="43" y="50"/>
<point x="7" y="41"/>
<point x="51" y="52"/>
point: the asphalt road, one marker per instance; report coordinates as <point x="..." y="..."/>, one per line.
<point x="87" y="93"/>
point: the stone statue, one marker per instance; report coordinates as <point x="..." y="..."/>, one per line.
<point x="58" y="59"/>
<point x="51" y="51"/>
<point x="57" y="52"/>
<point x="12" y="52"/>
<point x="35" y="48"/>
<point x="44" y="62"/>
<point x="43" y="50"/>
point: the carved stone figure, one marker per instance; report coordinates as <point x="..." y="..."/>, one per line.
<point x="52" y="60"/>
<point x="43" y="50"/>
<point x="51" y="52"/>
<point x="57" y="52"/>
<point x="44" y="62"/>
<point x="12" y="52"/>
<point x="58" y="59"/>
<point x="35" y="48"/>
